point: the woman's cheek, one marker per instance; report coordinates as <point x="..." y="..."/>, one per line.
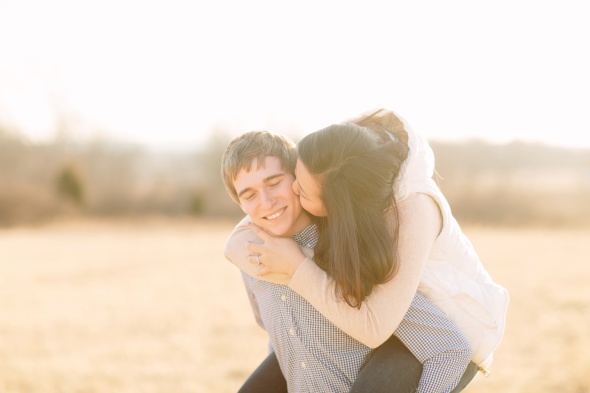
<point x="295" y="187"/>
<point x="309" y="207"/>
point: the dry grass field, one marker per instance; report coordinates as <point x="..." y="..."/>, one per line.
<point x="152" y="306"/>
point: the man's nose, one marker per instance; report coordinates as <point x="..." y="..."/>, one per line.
<point x="267" y="199"/>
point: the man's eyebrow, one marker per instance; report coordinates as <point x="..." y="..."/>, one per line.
<point x="265" y="180"/>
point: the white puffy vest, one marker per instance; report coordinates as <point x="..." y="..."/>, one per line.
<point x="454" y="278"/>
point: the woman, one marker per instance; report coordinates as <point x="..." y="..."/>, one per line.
<point x="385" y="231"/>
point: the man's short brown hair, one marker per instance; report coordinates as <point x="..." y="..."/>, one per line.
<point x="242" y="150"/>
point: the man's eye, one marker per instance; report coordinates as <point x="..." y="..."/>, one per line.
<point x="249" y="197"/>
<point x="274" y="184"/>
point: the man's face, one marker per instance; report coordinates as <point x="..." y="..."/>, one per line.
<point x="267" y="196"/>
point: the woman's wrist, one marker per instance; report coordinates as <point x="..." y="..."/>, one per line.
<point x="305" y="275"/>
<point x="294" y="266"/>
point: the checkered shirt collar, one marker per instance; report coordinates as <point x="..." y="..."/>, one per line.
<point x="308" y="237"/>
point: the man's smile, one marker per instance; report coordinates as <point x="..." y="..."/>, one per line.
<point x="275" y="215"/>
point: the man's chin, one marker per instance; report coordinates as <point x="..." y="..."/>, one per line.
<point x="276" y="230"/>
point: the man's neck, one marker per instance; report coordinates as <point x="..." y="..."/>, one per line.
<point x="302" y="222"/>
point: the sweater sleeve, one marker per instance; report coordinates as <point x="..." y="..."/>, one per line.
<point x="236" y="252"/>
<point x="379" y="315"/>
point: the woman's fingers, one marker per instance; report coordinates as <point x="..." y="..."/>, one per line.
<point x="254" y="248"/>
<point x="262" y="271"/>
<point x="255" y="260"/>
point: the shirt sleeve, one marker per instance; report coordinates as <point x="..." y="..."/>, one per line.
<point x="253" y="303"/>
<point x="437" y="343"/>
<point x="255" y="308"/>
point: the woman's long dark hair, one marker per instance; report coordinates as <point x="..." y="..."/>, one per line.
<point x="357" y="163"/>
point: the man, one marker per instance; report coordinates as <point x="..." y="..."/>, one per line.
<point x="313" y="353"/>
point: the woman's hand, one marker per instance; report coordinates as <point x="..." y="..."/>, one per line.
<point x="280" y="255"/>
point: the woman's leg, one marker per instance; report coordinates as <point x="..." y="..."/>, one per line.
<point x="391" y="368"/>
<point x="466" y="378"/>
<point x="266" y="378"/>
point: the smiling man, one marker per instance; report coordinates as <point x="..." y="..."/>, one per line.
<point x="264" y="191"/>
<point x="309" y="353"/>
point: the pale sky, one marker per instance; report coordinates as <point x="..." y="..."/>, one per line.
<point x="166" y="73"/>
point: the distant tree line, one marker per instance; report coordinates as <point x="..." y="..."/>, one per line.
<point x="42" y="181"/>
<point x="510" y="184"/>
<point x="516" y="183"/>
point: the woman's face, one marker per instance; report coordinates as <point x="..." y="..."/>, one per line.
<point x="309" y="190"/>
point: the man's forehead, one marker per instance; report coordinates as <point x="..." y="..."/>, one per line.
<point x="260" y="163"/>
<point x="271" y="168"/>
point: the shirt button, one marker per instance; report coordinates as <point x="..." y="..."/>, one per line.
<point x="283" y="297"/>
<point x="292" y="332"/>
<point x="303" y="365"/>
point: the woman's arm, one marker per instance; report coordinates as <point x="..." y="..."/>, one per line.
<point x="382" y="311"/>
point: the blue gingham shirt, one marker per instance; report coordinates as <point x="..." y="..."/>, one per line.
<point x="316" y="356"/>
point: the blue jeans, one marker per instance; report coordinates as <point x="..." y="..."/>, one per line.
<point x="391" y="369"/>
<point x="266" y="378"/>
